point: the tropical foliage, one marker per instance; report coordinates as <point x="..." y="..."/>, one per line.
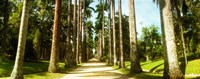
<point x="62" y="31"/>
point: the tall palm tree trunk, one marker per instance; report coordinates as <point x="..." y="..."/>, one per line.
<point x="114" y="37"/>
<point x="135" y="64"/>
<point x="17" y="72"/>
<point x="68" y="54"/>
<point x="77" y="38"/>
<point x="122" y="64"/>
<point x="87" y="42"/>
<point x="171" y="68"/>
<point x="166" y="70"/>
<point x="84" y="55"/>
<point x="54" y="60"/>
<point x="75" y="33"/>
<point x="80" y="31"/>
<point x="109" y="34"/>
<point x="100" y="44"/>
<point x="103" y="41"/>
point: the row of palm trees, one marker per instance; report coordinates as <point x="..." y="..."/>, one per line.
<point x="135" y="65"/>
<point x="171" y="70"/>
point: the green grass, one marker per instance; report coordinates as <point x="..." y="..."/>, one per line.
<point x="154" y="69"/>
<point x="47" y="75"/>
<point x="33" y="70"/>
<point x="150" y="66"/>
<point x="146" y="76"/>
<point x="6" y="68"/>
<point x="29" y="67"/>
<point x="123" y="70"/>
<point x="153" y="66"/>
<point x="193" y="67"/>
<point x="41" y="75"/>
<point x="158" y="66"/>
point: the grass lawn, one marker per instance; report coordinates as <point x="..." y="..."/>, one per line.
<point x="193" y="67"/>
<point x="33" y="70"/>
<point x="154" y="69"/>
<point x="29" y="67"/>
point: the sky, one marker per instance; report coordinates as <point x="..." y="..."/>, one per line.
<point x="147" y="13"/>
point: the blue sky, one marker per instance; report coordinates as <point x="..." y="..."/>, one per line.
<point x="147" y="13"/>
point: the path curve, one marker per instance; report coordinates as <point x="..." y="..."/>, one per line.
<point x="94" y="70"/>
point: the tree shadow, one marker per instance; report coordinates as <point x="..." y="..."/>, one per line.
<point x="196" y="77"/>
<point x="67" y="70"/>
<point x="144" y="75"/>
<point x="149" y="62"/>
<point x="113" y="75"/>
<point x="154" y="68"/>
<point x="183" y="67"/>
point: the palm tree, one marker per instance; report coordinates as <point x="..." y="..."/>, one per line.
<point x="100" y="27"/>
<point x="109" y="34"/>
<point x="84" y="53"/>
<point x="114" y="38"/>
<point x="77" y="34"/>
<point x="88" y="8"/>
<point x="171" y="68"/>
<point x="89" y="40"/>
<point x="80" y="32"/>
<point x="68" y="54"/>
<point x="17" y="72"/>
<point x="100" y="44"/>
<point x="87" y="14"/>
<point x="54" y="60"/>
<point x="75" y="31"/>
<point x="135" y="64"/>
<point x="103" y="41"/>
<point x="122" y="65"/>
<point x="166" y="66"/>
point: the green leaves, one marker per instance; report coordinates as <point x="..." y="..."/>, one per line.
<point x="150" y="41"/>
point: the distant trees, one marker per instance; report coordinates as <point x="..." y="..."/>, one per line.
<point x="150" y="42"/>
<point x="87" y="29"/>
<point x="98" y="29"/>
<point x="5" y="14"/>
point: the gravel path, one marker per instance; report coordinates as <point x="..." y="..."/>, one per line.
<point x="95" y="70"/>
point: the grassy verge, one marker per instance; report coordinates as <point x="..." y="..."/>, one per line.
<point x="33" y="70"/>
<point x="144" y="75"/>
<point x="29" y="67"/>
<point x="157" y="66"/>
<point x="154" y="69"/>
